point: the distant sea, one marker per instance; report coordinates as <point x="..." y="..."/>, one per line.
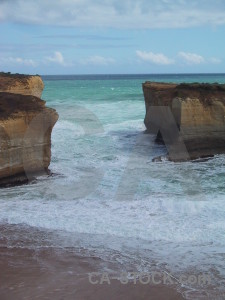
<point x="107" y="196"/>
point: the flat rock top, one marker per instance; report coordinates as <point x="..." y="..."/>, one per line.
<point x="214" y="87"/>
<point x="15" y="75"/>
<point x="205" y="92"/>
<point x="8" y="80"/>
<point x="159" y="85"/>
<point x="21" y="84"/>
<point x="11" y="104"/>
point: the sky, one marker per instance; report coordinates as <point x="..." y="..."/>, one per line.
<point x="112" y="36"/>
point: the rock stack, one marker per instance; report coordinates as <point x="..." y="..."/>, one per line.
<point x="25" y="128"/>
<point x="189" y="118"/>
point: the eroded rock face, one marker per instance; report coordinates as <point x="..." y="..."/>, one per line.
<point x="21" y="84"/>
<point x="189" y="117"/>
<point x="25" y="136"/>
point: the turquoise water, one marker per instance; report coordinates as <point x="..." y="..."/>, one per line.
<point x="107" y="191"/>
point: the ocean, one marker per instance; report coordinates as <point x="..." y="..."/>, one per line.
<point x="106" y="196"/>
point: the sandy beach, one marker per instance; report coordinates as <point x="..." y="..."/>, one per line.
<point x="57" y="274"/>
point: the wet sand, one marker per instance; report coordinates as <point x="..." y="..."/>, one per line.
<point x="60" y="274"/>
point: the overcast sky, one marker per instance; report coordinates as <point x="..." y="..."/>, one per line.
<point x="112" y="36"/>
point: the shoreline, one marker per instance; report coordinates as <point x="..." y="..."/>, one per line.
<point x="32" y="267"/>
<point x="54" y="274"/>
<point x="37" y="263"/>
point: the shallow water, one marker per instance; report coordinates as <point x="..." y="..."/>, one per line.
<point x="108" y="194"/>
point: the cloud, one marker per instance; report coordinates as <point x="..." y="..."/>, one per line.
<point x="215" y="60"/>
<point x="115" y="13"/>
<point x="57" y="58"/>
<point x="191" y="58"/>
<point x="97" y="60"/>
<point x="18" y="61"/>
<point x="187" y="57"/>
<point x="155" y="58"/>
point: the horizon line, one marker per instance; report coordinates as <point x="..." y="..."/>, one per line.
<point x="130" y="74"/>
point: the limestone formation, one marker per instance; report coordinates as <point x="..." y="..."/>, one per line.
<point x="189" y="118"/>
<point x="21" y="84"/>
<point x="25" y="130"/>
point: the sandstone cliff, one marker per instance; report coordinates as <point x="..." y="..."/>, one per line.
<point x="21" y="84"/>
<point x="189" y="118"/>
<point x="25" y="130"/>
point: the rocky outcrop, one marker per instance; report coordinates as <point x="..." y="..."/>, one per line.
<point x="21" y="84"/>
<point x="25" y="131"/>
<point x="189" y="118"/>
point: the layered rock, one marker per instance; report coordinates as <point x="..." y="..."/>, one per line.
<point x="189" y="118"/>
<point x="25" y="131"/>
<point x="21" y="84"/>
